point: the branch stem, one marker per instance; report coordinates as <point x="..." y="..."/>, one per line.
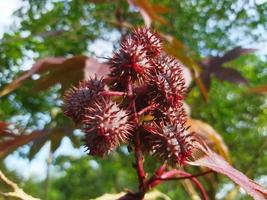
<point x="147" y="109"/>
<point x="113" y="93"/>
<point x="17" y="192"/>
<point x="137" y="144"/>
<point x="171" y="175"/>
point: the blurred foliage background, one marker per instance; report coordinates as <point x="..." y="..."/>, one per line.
<point x="194" y="30"/>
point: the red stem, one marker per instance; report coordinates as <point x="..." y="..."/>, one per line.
<point x="170" y="175"/>
<point x="113" y="93"/>
<point x="137" y="149"/>
<point x="146" y="109"/>
<point x="160" y="170"/>
<point x="184" y="177"/>
<point x="160" y="175"/>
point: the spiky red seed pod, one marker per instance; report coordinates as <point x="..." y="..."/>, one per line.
<point x="98" y="145"/>
<point x="169" y="142"/>
<point x="77" y="98"/>
<point x="130" y="61"/>
<point x="175" y="115"/>
<point x="106" y="126"/>
<point x="134" y="56"/>
<point x="167" y="81"/>
<point x="150" y="39"/>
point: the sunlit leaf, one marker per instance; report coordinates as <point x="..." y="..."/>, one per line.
<point x="155" y="194"/>
<point x="217" y="163"/>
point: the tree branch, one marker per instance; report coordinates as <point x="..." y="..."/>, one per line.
<point x="17" y="192"/>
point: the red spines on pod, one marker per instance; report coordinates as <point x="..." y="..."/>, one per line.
<point x="134" y="56"/>
<point x="141" y="69"/>
<point x="106" y="126"/>
<point x="176" y="115"/>
<point x="150" y="40"/>
<point x="77" y="98"/>
<point x="167" y="81"/>
<point x="130" y="61"/>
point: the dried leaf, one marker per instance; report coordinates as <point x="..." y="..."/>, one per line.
<point x="149" y="12"/>
<point x="16" y="192"/>
<point x="210" y="136"/>
<point x="218" y="164"/>
<point x="259" y="89"/>
<point x="180" y="51"/>
<point x="202" y="88"/>
<point x="206" y="79"/>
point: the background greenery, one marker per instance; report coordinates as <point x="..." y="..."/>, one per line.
<point x="71" y="27"/>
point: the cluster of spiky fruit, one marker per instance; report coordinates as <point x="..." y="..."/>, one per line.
<point x="143" y="94"/>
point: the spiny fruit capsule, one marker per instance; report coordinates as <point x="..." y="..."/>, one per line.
<point x="169" y="142"/>
<point x="142" y="75"/>
<point x="106" y="126"/>
<point x="77" y="98"/>
<point x="167" y="81"/>
<point x="133" y="59"/>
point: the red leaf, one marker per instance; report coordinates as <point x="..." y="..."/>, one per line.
<point x="235" y="53"/>
<point x="38" y="66"/>
<point x="218" y="164"/>
<point x="3" y="128"/>
<point x="10" y="142"/>
<point x="230" y="75"/>
<point x="66" y="71"/>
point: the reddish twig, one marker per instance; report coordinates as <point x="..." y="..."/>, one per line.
<point x="147" y="109"/>
<point x="170" y="175"/>
<point x="16" y="192"/>
<point x="137" y="149"/>
<point x="184" y="177"/>
<point x="113" y="93"/>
